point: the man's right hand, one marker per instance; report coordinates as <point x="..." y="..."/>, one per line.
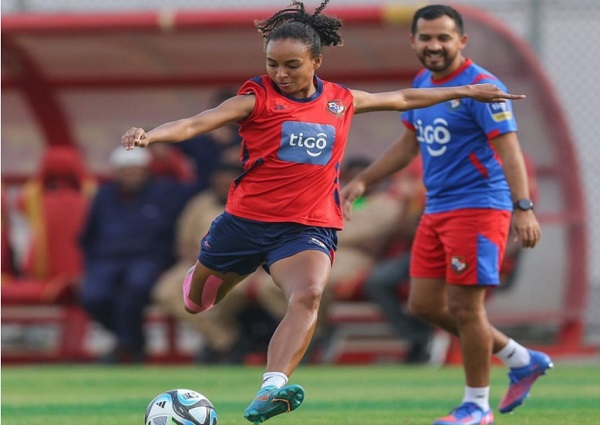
<point x="350" y="193"/>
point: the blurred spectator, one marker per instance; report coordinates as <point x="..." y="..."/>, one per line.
<point x="387" y="283"/>
<point x="230" y="328"/>
<point x="360" y="245"/>
<point x="128" y="241"/>
<point x="365" y="238"/>
<point x="207" y="150"/>
<point x="171" y="163"/>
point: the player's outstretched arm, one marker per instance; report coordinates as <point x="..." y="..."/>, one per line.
<point x="234" y="109"/>
<point x="405" y="99"/>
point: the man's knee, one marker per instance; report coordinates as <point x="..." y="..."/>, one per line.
<point x="423" y="311"/>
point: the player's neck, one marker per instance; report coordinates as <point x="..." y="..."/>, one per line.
<point x="456" y="65"/>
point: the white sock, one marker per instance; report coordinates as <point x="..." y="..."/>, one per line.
<point x="479" y="396"/>
<point x="277" y="379"/>
<point x="514" y="355"/>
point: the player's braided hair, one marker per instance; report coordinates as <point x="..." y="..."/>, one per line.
<point x="316" y="30"/>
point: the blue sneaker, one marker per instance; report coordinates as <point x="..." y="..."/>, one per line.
<point x="467" y="414"/>
<point x="271" y="401"/>
<point x="521" y="380"/>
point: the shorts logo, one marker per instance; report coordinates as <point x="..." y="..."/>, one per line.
<point x="306" y="143"/>
<point x="317" y="242"/>
<point x="499" y="111"/>
<point x="336" y="107"/>
<point x="458" y="264"/>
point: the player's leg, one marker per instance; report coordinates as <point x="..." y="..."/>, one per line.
<point x="446" y="250"/>
<point x="428" y="302"/>
<point x="302" y="278"/>
<point x="204" y="287"/>
<point x="219" y="326"/>
<point x="230" y="252"/>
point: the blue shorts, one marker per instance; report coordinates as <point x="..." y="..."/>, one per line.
<point x="240" y="245"/>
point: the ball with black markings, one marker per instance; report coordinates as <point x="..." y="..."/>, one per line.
<point x="180" y="406"/>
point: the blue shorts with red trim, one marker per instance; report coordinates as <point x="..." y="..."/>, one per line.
<point x="240" y="245"/>
<point x="465" y="246"/>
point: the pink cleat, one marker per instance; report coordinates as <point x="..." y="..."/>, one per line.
<point x="467" y="414"/>
<point x="521" y="380"/>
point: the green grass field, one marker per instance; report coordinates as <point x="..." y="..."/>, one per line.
<point x="372" y="395"/>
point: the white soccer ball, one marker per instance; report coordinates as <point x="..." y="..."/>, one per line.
<point x="180" y="406"/>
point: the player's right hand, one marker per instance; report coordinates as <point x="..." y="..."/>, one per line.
<point x="134" y="137"/>
<point x="350" y="193"/>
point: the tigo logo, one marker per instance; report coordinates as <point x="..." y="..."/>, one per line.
<point x="436" y="136"/>
<point x="306" y="143"/>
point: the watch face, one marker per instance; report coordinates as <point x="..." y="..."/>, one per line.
<point x="524" y="204"/>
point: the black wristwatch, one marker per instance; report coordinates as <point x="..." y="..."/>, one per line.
<point x="523" y="204"/>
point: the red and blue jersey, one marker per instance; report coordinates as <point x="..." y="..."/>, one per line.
<point x="291" y="151"/>
<point x="461" y="169"/>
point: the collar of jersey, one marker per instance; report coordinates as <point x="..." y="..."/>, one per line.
<point x="467" y="63"/>
<point x="318" y="84"/>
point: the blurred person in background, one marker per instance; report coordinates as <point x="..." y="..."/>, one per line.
<point x="360" y="246"/>
<point x="284" y="212"/>
<point x="387" y="282"/>
<point x="364" y="240"/>
<point x="221" y="327"/>
<point x="475" y="176"/>
<point x="128" y="241"/>
<point x="171" y="163"/>
<point x="205" y="151"/>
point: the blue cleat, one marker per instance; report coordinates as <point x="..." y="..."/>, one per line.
<point x="271" y="401"/>
<point x="521" y="380"/>
<point x="467" y="414"/>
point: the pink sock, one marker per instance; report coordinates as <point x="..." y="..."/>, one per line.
<point x="209" y="293"/>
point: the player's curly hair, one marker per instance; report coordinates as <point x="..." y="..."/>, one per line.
<point x="294" y="22"/>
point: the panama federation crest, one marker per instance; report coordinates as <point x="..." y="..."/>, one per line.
<point x="458" y="264"/>
<point x="336" y="107"/>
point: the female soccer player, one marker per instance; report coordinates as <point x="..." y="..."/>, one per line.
<point x="284" y="211"/>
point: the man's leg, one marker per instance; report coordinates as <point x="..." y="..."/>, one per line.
<point x="466" y="306"/>
<point x="428" y="300"/>
<point x="461" y="311"/>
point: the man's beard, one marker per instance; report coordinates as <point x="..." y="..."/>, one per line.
<point x="443" y="62"/>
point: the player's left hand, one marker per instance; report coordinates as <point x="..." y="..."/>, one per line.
<point x="490" y="93"/>
<point x="526" y="227"/>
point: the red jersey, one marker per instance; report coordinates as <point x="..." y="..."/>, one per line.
<point x="291" y="151"/>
